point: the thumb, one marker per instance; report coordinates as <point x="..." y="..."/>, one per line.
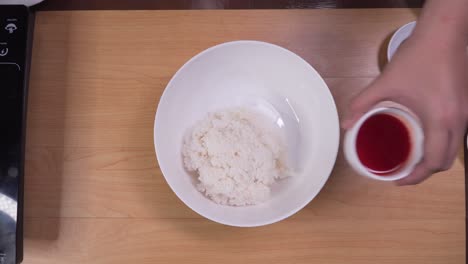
<point x="360" y="104"/>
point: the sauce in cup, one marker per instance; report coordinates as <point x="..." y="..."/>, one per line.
<point x="386" y="143"/>
<point x="383" y="144"/>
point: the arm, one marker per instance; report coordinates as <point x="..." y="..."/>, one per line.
<point x="428" y="75"/>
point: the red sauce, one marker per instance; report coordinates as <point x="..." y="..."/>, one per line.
<point x="383" y="144"/>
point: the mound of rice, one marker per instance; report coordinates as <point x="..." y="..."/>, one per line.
<point x="236" y="156"/>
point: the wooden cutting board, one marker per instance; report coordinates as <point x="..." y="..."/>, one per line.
<point x="94" y="191"/>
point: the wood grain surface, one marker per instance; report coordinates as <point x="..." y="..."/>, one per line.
<point x="95" y="194"/>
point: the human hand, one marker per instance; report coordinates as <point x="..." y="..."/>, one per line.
<point x="429" y="77"/>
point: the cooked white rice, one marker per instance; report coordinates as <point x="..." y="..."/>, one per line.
<point x="237" y="157"/>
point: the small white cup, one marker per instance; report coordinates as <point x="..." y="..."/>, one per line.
<point x="416" y="140"/>
<point x="399" y="37"/>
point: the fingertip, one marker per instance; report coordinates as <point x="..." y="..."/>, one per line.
<point x="408" y="181"/>
<point x="367" y="99"/>
<point x="349" y="121"/>
<point x="346" y="124"/>
<point x="403" y="182"/>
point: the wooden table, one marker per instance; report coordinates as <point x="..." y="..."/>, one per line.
<point x="95" y="194"/>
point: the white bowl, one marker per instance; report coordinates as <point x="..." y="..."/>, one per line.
<point x="399" y="37"/>
<point x="274" y="81"/>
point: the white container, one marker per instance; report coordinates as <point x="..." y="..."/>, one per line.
<point x="416" y="141"/>
<point x="399" y="37"/>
